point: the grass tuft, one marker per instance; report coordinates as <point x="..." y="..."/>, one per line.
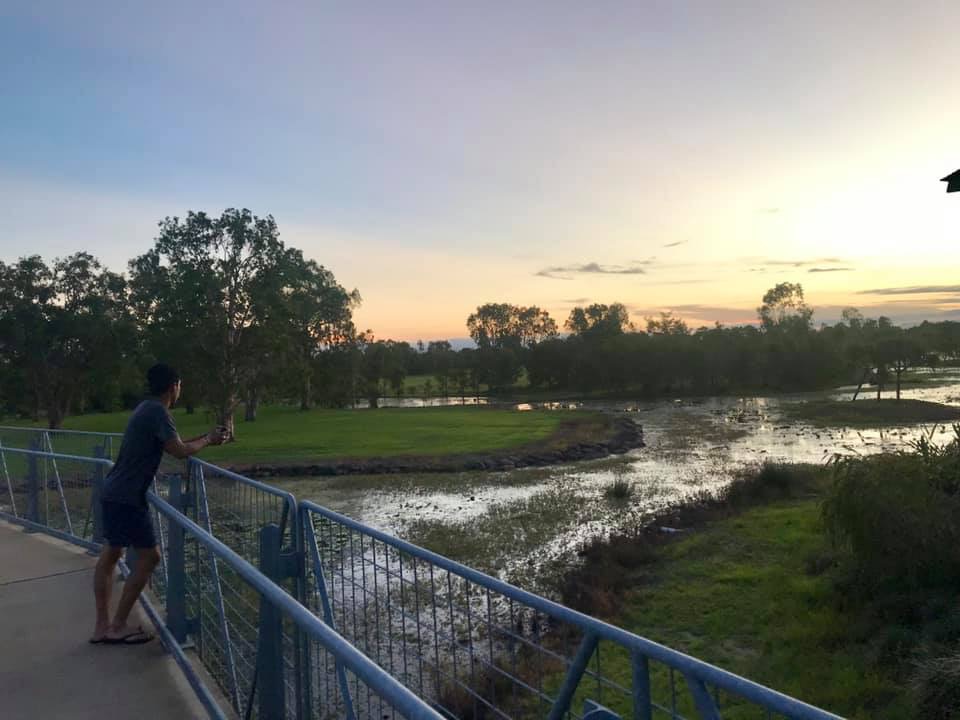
<point x="619" y="490"/>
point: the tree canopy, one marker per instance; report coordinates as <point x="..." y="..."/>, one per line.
<point x="248" y="319"/>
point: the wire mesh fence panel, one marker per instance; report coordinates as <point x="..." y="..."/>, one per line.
<point x="235" y="508"/>
<point x="55" y="491"/>
<point x="64" y="442"/>
<point x="252" y="635"/>
<point x="475" y="647"/>
<point x="328" y="701"/>
<point x="225" y="611"/>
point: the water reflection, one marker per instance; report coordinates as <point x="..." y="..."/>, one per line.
<point x="692" y="445"/>
<point x="413" y="402"/>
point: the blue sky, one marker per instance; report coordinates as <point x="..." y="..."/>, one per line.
<point x="440" y="155"/>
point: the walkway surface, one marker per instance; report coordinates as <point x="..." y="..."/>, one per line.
<point x="47" y="667"/>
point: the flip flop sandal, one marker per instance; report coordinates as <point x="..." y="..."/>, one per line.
<point x="137" y="637"/>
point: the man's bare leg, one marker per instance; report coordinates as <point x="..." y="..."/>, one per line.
<point x="147" y="559"/>
<point x="102" y="586"/>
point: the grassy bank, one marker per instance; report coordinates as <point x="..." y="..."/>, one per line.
<point x="740" y="594"/>
<point x="757" y="588"/>
<point x="283" y="433"/>
<point x="872" y="413"/>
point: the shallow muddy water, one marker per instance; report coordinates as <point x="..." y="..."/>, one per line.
<point x="516" y="524"/>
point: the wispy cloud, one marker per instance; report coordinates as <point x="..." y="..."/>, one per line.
<point x="675" y="244"/>
<point x="577" y="301"/>
<point x="802" y="263"/>
<point x="812" y="264"/>
<point x="591" y="268"/>
<point x="912" y="290"/>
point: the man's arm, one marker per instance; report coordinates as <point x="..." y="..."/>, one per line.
<point x="180" y="449"/>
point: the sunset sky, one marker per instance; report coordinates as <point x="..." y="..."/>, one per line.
<point x="670" y="155"/>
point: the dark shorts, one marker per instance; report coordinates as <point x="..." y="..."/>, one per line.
<point x="127" y="525"/>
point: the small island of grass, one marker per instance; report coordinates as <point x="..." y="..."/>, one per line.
<point x="872" y="413"/>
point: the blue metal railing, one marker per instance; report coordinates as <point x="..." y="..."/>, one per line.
<point x="471" y="642"/>
<point x="69" y="442"/>
<point x="276" y="607"/>
<point x="464" y="643"/>
<point x="280" y="603"/>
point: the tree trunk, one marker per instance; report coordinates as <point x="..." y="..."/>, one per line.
<point x="866" y="373"/>
<point x="57" y="410"/>
<point x="37" y="404"/>
<point x="305" y="393"/>
<point x="225" y="416"/>
<point x="250" y="406"/>
<point x="54" y="417"/>
<point x="899" y="372"/>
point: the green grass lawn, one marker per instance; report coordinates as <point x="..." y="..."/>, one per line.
<point x="872" y="413"/>
<point x="285" y="434"/>
<point x="738" y="594"/>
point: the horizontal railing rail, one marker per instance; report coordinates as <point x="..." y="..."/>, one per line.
<point x="102" y="462"/>
<point x="59" y="431"/>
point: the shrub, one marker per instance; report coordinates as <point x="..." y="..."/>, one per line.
<point x="772" y="481"/>
<point x="899" y="517"/>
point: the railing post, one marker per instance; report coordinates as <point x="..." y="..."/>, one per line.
<point x="270" y="643"/>
<point x="96" y="508"/>
<point x="176" y="567"/>
<point x="33" y="484"/>
<point x="706" y="705"/>
<point x="6" y="475"/>
<point x="642" y="705"/>
<point x="577" y="667"/>
<point x="304" y="674"/>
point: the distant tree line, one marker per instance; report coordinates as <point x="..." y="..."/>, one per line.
<point x="247" y="319"/>
<point x="603" y="352"/>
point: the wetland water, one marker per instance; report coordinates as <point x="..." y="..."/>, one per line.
<point x="515" y="524"/>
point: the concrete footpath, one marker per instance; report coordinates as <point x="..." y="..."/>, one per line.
<point x="47" y="667"/>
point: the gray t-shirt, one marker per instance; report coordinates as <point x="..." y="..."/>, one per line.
<point x="148" y="430"/>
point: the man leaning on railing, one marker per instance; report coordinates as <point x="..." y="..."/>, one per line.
<point x="126" y="519"/>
